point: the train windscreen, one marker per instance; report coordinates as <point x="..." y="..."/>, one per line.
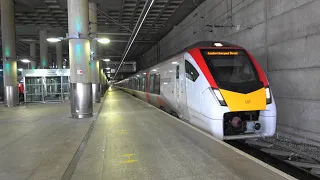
<point x="232" y="70"/>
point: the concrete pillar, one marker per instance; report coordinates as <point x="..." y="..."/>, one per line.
<point x="9" y="53"/>
<point x="50" y="61"/>
<point x="79" y="56"/>
<point x="59" y="55"/>
<point x="33" y="55"/>
<point x="101" y="81"/>
<point x="95" y="63"/>
<point x="43" y="50"/>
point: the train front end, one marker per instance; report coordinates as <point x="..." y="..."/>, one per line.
<point x="243" y="105"/>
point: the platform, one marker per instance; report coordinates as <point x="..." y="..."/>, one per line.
<point x="133" y="140"/>
<point x="38" y="141"/>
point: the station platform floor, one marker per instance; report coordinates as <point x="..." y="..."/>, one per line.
<point x="128" y="139"/>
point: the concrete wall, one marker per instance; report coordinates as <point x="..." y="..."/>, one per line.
<point x="283" y="35"/>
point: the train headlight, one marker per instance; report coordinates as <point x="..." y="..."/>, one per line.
<point x="218" y="95"/>
<point x="268" y="94"/>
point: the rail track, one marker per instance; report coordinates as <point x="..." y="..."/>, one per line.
<point x="289" y="160"/>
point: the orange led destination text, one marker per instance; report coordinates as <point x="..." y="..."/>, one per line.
<point x="223" y="53"/>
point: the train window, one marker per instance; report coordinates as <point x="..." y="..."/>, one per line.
<point x="130" y="83"/>
<point x="156" y="88"/>
<point x="177" y="72"/>
<point x="151" y="83"/>
<point x="138" y="84"/>
<point x="142" y="84"/>
<point x="191" y="72"/>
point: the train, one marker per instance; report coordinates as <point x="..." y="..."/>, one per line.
<point x="216" y="86"/>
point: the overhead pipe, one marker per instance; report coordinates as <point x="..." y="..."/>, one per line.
<point x="136" y="30"/>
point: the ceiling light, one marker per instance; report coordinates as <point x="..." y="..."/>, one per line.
<point x="20" y="69"/>
<point x="104" y="40"/>
<point x="53" y="39"/>
<point x="218" y="44"/>
<point x="174" y="62"/>
<point x="107" y="68"/>
<point x="106" y="60"/>
<point x="154" y="70"/>
<point x="144" y="73"/>
<point x="25" y="60"/>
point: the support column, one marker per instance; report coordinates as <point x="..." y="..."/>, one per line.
<point x="79" y="56"/>
<point x="33" y="55"/>
<point x="59" y="55"/>
<point x="50" y="62"/>
<point x="43" y="50"/>
<point x="102" y="83"/>
<point x="94" y="63"/>
<point x="9" y="53"/>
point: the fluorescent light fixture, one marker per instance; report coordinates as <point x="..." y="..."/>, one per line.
<point x="20" y="69"/>
<point x="218" y="44"/>
<point x="104" y="40"/>
<point x="53" y="40"/>
<point x="165" y="83"/>
<point x="107" y="68"/>
<point x="154" y="70"/>
<point x="170" y="71"/>
<point x="144" y="73"/>
<point x="106" y="60"/>
<point x="108" y="72"/>
<point x="174" y="62"/>
<point x="1" y="69"/>
<point x="25" y="60"/>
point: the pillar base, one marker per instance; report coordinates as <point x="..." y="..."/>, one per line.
<point x="101" y="90"/>
<point x="11" y="96"/>
<point x="96" y="93"/>
<point x="81" y="100"/>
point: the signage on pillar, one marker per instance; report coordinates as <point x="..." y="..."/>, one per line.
<point x="113" y="70"/>
<point x="79" y="71"/>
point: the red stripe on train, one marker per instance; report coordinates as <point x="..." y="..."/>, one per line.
<point x="197" y="56"/>
<point x="261" y="74"/>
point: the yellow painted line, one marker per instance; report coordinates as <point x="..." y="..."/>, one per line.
<point x="129" y="160"/>
<point x="122" y="132"/>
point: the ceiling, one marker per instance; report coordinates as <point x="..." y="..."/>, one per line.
<point x="116" y="18"/>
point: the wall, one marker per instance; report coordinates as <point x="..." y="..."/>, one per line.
<point x="283" y="35"/>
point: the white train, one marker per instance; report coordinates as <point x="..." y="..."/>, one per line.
<point x="215" y="86"/>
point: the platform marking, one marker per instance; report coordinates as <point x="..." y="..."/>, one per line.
<point x="122" y="132"/>
<point x="129" y="159"/>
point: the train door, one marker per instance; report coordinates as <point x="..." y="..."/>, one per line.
<point x="180" y="89"/>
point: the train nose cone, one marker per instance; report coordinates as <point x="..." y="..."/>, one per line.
<point x="236" y="122"/>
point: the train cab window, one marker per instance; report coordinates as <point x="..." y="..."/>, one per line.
<point x="156" y="88"/>
<point x="151" y="83"/>
<point x="191" y="72"/>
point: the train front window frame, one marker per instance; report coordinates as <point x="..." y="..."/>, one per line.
<point x="232" y="69"/>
